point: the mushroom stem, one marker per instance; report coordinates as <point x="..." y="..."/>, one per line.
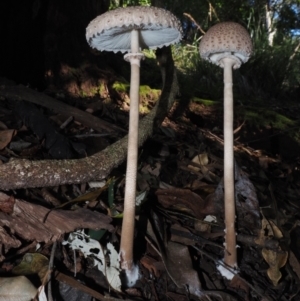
<point x="230" y="236"/>
<point x="127" y="234"/>
<point x="135" y="45"/>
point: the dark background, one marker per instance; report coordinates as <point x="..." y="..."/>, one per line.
<point x="37" y="36"/>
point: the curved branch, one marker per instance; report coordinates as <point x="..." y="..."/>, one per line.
<point x="25" y="173"/>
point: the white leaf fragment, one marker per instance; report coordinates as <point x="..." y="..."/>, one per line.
<point x="89" y="247"/>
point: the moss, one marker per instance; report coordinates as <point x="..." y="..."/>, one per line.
<point x="148" y="97"/>
<point x="149" y="53"/>
<point x="121" y="87"/>
<point x="263" y="117"/>
<point x="85" y="93"/>
<point x="147" y="92"/>
<point x="102" y="90"/>
<point x="205" y="102"/>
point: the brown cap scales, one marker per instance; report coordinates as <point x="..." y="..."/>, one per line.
<point x="226" y="39"/>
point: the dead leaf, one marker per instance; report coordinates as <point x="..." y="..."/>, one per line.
<point x="32" y="263"/>
<point x="247" y="202"/>
<point x="264" y="233"/>
<point x="247" y="205"/>
<point x="180" y="268"/>
<point x="201" y="159"/>
<point x="151" y="265"/>
<point x="275" y="260"/>
<point x="268" y="231"/>
<point x="186" y="201"/>
<point x="5" y="137"/>
<point x="276" y="231"/>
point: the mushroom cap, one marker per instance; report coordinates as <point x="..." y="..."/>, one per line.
<point x="226" y="39"/>
<point x="111" y="30"/>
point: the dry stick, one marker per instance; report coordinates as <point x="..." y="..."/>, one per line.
<point x="193" y="20"/>
<point x="236" y="275"/>
<point x="213" y="10"/>
<point x="51" y="265"/>
<point x="25" y="173"/>
<point x="77" y="285"/>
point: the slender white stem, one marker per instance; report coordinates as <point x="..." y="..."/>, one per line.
<point x="229" y="198"/>
<point x="127" y="235"/>
<point x="135" y="45"/>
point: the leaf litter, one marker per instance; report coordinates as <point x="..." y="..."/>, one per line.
<point x="180" y="224"/>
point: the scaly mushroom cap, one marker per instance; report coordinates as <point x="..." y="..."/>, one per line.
<point x="226" y="39"/>
<point x="111" y="30"/>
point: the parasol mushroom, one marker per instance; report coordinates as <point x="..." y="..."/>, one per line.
<point x="227" y="45"/>
<point x="131" y="29"/>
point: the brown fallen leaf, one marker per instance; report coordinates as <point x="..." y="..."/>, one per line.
<point x="180" y="268"/>
<point x="151" y="265"/>
<point x="264" y="233"/>
<point x="5" y="137"/>
<point x="247" y="205"/>
<point x="201" y="159"/>
<point x="186" y="201"/>
<point x="275" y="260"/>
<point x="32" y="263"/>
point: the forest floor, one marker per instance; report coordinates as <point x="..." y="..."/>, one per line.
<point x="179" y="221"/>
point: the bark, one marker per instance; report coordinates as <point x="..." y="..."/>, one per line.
<point x="27" y="222"/>
<point x="25" y="173"/>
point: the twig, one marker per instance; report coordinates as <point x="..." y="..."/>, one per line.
<point x="239" y="127"/>
<point x="51" y="265"/>
<point x="236" y="275"/>
<point x="193" y="20"/>
<point x="66" y="122"/>
<point x="211" y="8"/>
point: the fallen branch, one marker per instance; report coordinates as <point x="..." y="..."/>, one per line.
<point x="25" y="173"/>
<point x="23" y="93"/>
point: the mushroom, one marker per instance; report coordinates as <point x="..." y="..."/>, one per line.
<point x="227" y="45"/>
<point x="130" y="29"/>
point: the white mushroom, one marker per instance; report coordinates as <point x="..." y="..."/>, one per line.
<point x="227" y="45"/>
<point x="129" y="30"/>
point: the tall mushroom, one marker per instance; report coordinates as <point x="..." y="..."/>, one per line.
<point x="129" y="30"/>
<point x="227" y="45"/>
